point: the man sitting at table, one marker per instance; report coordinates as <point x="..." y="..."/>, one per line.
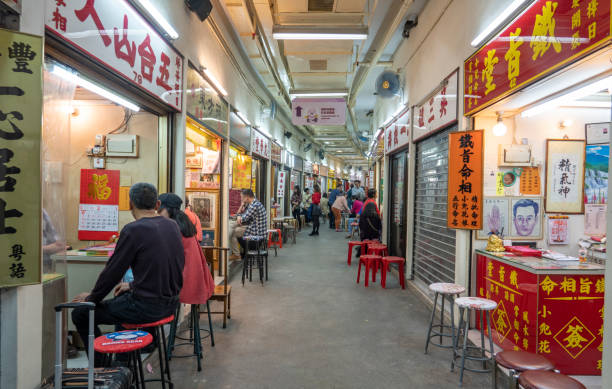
<point x="152" y="247"/>
<point x="255" y="220"/>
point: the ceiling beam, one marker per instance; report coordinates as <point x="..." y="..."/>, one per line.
<point x="315" y="74"/>
<point x="317" y="53"/>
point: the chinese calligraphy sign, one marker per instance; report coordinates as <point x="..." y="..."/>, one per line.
<point x="203" y="104"/>
<point x="548" y="35"/>
<point x="465" y="175"/>
<point x="565" y="175"/>
<point x="20" y="130"/>
<point x="397" y="133"/>
<point x="120" y="39"/>
<point x="438" y="111"/>
<point x="260" y="145"/>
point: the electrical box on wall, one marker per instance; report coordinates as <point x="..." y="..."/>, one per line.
<point x="514" y="155"/>
<point x="122" y="146"/>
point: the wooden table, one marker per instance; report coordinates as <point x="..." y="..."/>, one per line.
<point x="552" y="308"/>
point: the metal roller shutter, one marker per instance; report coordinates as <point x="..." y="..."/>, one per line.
<point x="434" y="244"/>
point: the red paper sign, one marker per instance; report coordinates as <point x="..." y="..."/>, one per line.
<point x="99" y="186"/>
<point x="548" y="35"/>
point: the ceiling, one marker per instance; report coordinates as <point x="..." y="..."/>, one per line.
<point x="322" y="65"/>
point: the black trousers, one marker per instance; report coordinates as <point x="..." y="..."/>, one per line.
<point x="315" y="223"/>
<point x="243" y="244"/>
<point x="331" y="218"/>
<point x="296" y="215"/>
<point x="122" y="309"/>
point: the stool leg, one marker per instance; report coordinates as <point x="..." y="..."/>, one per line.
<point x="367" y="272"/>
<point x="359" y="271"/>
<point x="243" y="269"/>
<point x="442" y="319"/>
<point x="161" y="359"/>
<point x="403" y="276"/>
<point x="482" y="343"/>
<point x="464" y="351"/>
<point x="350" y="254"/>
<point x="210" y="326"/>
<point x="452" y="319"/>
<point x="431" y="320"/>
<point x="491" y="343"/>
<point x="163" y="334"/>
<point x="456" y="345"/>
<point x="383" y="275"/>
<point x="197" y="342"/>
<point x="140" y="370"/>
<point x="374" y="270"/>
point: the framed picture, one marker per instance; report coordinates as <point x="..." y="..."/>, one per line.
<point x="565" y="160"/>
<point x="204" y="204"/>
<point x="596" y="174"/>
<point x="597" y="133"/>
<point x="208" y="237"/>
<point x="194" y="162"/>
<point x="495" y="217"/>
<point x="525" y="218"/>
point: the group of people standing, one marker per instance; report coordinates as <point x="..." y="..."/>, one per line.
<point x="354" y="202"/>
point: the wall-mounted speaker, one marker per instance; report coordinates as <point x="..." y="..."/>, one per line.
<point x="201" y="8"/>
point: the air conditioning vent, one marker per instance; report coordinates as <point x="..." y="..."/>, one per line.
<point x="321" y="5"/>
<point x="318" y="64"/>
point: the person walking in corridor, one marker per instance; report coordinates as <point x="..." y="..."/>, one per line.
<point x="339" y="206"/>
<point x="332" y="199"/>
<point x="324" y="206"/>
<point x="296" y="205"/>
<point x="316" y="209"/>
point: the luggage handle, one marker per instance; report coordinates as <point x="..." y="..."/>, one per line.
<point x="59" y="368"/>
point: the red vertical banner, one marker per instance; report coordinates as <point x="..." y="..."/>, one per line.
<point x="465" y="180"/>
<point x="99" y="204"/>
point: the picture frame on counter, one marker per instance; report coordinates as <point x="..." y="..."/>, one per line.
<point x="565" y="165"/>
<point x="597" y="133"/>
<point x="514" y="217"/>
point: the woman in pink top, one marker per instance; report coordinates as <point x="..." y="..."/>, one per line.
<point x="339" y="206"/>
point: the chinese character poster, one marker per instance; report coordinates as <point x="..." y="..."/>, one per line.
<point x="565" y="175"/>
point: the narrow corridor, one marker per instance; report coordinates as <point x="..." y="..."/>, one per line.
<point x="312" y="326"/>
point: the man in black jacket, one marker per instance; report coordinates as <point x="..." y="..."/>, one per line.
<point x="152" y="247"/>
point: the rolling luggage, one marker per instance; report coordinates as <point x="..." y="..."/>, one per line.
<point x="90" y="378"/>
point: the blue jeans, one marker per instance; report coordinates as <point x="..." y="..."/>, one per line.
<point x="350" y="221"/>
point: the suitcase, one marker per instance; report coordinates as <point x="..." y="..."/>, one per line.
<point x="90" y="378"/>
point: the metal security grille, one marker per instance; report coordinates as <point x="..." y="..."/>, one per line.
<point x="434" y="244"/>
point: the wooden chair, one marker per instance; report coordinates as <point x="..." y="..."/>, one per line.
<point x="222" y="292"/>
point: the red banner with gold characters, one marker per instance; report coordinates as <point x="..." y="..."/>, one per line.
<point x="465" y="177"/>
<point x="557" y="315"/>
<point x="546" y="36"/>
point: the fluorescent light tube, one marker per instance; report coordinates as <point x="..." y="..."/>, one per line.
<point x="243" y="118"/>
<point x="319" y="94"/>
<point x="218" y="85"/>
<point x="497" y="22"/>
<point x="159" y="18"/>
<point x="75" y="78"/>
<point x="317" y="36"/>
<point x="568" y="98"/>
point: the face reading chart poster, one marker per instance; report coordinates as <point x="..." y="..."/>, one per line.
<point x="99" y="205"/>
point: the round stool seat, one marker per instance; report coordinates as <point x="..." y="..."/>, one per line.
<point x="161" y="322"/>
<point x="538" y="379"/>
<point x="122" y="342"/>
<point x="476" y="303"/>
<point x="370" y="257"/>
<point x="523" y="361"/>
<point x="446" y="288"/>
<point x="393" y="259"/>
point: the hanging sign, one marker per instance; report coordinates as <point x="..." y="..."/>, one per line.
<point x="276" y="152"/>
<point x="118" y="37"/>
<point x="321" y="112"/>
<point x="298" y="163"/>
<point x="439" y="111"/>
<point x="21" y="57"/>
<point x="282" y="177"/>
<point x="548" y="35"/>
<point x="241" y="172"/>
<point x="397" y="134"/>
<point x="288" y="159"/>
<point x="204" y="104"/>
<point x="309" y="183"/>
<point x="323" y="170"/>
<point x="260" y="145"/>
<point x="465" y="175"/>
<point x="308" y="167"/>
<point x="99" y="204"/>
<point x="315" y="168"/>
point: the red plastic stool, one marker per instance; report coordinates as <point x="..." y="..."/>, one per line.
<point x="369" y="261"/>
<point x="351" y="246"/>
<point x="378" y="249"/>
<point x="126" y="342"/>
<point x="277" y="243"/>
<point x="158" y="327"/>
<point x="385" y="268"/>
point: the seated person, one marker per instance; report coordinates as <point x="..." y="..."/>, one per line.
<point x="370" y="225"/>
<point x="255" y="220"/>
<point x="355" y="211"/>
<point x="152" y="246"/>
<point x="236" y="231"/>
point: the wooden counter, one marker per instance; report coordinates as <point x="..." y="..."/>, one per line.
<point x="548" y="307"/>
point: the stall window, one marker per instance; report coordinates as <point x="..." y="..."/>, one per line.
<point x="434" y="244"/>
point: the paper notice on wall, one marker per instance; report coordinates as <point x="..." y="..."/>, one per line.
<point x="557" y="231"/>
<point x="499" y="184"/>
<point x="595" y="219"/>
<point x="530" y="181"/>
<point x="124" y="198"/>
